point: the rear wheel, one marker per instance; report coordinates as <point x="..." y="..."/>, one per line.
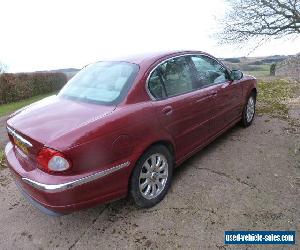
<point x="151" y="178"/>
<point x="249" y="111"/>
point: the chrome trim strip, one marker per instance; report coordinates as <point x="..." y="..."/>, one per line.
<point x="176" y="56"/>
<point x="53" y="188"/>
<point x="18" y="137"/>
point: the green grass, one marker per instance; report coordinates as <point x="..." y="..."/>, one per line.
<point x="264" y="67"/>
<point x="6" y="109"/>
<point x="2" y="160"/>
<point x="258" y="73"/>
<point x="273" y="96"/>
<point x="261" y="71"/>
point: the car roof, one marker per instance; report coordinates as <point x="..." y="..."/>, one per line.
<point x="149" y="58"/>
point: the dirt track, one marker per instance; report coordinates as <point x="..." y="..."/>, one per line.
<point x="248" y="179"/>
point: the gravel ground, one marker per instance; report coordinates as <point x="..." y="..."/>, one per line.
<point x="248" y="179"/>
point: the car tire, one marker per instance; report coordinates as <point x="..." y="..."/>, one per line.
<point x="249" y="111"/>
<point x="151" y="177"/>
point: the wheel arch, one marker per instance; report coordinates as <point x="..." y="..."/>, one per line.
<point x="249" y="92"/>
<point x="165" y="142"/>
<point x="168" y="144"/>
<point x="254" y="91"/>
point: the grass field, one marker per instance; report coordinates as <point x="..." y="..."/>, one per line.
<point x="273" y="97"/>
<point x="261" y="71"/>
<point x="6" y="109"/>
<point x="249" y="66"/>
<point x="2" y="160"/>
<point x="257" y="74"/>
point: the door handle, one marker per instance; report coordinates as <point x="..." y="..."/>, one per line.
<point x="167" y="110"/>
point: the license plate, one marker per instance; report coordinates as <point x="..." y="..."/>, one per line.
<point x="21" y="146"/>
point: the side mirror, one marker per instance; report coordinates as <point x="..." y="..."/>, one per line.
<point x="236" y="74"/>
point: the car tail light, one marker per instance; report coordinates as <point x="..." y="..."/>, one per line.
<point x="51" y="160"/>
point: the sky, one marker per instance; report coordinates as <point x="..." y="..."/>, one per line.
<point x="51" y="34"/>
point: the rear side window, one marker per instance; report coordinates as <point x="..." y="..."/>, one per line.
<point x="171" y="78"/>
<point x="156" y="86"/>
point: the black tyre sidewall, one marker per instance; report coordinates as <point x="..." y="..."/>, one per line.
<point x="135" y="193"/>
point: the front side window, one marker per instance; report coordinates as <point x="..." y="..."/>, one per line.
<point x="101" y="82"/>
<point x="208" y="71"/>
<point x="173" y="77"/>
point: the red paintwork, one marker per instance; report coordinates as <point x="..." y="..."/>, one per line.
<point x="96" y="137"/>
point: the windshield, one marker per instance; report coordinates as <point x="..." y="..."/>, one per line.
<point x="101" y="82"/>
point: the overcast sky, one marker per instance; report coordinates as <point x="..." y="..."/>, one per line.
<point x="51" y="34"/>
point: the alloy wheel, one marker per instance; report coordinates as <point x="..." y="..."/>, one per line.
<point x="250" y="109"/>
<point x="153" y="176"/>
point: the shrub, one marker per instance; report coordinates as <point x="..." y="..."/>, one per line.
<point x="15" y="87"/>
<point x="272" y="69"/>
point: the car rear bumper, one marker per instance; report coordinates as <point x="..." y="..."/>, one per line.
<point x="36" y="204"/>
<point x="64" y="194"/>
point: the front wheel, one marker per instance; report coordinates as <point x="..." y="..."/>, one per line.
<point x="249" y="111"/>
<point x="151" y="178"/>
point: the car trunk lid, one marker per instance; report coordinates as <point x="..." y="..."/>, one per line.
<point x="49" y="119"/>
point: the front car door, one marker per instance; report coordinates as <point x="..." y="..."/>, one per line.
<point x="227" y="93"/>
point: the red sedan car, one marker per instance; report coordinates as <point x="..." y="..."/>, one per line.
<point x="121" y="127"/>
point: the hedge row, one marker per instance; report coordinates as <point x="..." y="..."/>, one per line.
<point x="15" y="87"/>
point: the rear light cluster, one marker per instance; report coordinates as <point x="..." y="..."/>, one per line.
<point x="51" y="160"/>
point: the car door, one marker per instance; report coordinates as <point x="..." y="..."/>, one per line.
<point x="228" y="104"/>
<point x="171" y="84"/>
<point x="227" y="93"/>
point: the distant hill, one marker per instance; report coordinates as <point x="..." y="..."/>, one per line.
<point x="257" y="66"/>
<point x="243" y="61"/>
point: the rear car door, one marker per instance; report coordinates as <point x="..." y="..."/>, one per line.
<point x="227" y="93"/>
<point x="171" y="85"/>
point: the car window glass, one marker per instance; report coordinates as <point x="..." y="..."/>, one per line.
<point x="208" y="71"/>
<point x="176" y="76"/>
<point x="156" y="87"/>
<point x="101" y="82"/>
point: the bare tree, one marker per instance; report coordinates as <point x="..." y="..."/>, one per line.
<point x="3" y="67"/>
<point x="262" y="19"/>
